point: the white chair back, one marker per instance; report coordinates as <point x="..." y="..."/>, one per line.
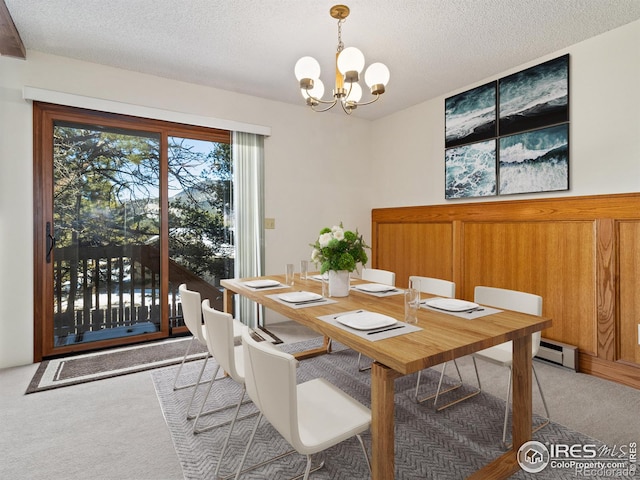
<point x="433" y="286"/>
<point x="270" y="380"/>
<point x="219" y="326"/>
<point x="192" y="312"/>
<point x="502" y="354"/>
<point x="379" y="276"/>
<point x="512" y="300"/>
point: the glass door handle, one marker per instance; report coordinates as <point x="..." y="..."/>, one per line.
<point x="51" y="241"/>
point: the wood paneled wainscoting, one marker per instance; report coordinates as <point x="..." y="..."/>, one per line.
<point x="581" y="254"/>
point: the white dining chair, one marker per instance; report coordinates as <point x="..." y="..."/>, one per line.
<point x="503" y="354"/>
<point x="220" y="328"/>
<point x="192" y="314"/>
<point x="220" y="332"/>
<point x="311" y="416"/>
<point x="447" y="289"/>
<point x="375" y="275"/>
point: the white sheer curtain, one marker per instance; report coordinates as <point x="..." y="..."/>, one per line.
<point x="248" y="195"/>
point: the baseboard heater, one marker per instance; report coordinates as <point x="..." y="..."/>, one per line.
<point x="558" y="353"/>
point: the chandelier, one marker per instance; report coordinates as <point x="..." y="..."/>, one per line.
<point x="349" y="65"/>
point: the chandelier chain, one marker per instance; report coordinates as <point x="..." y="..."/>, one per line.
<point x="340" y="44"/>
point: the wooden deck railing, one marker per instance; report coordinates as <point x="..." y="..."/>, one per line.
<point x="97" y="288"/>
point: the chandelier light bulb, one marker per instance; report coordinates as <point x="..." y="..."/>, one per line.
<point x="377" y="73"/>
<point x="307" y="67"/>
<point x="316" y="92"/>
<point x="350" y="60"/>
<point x="355" y="94"/>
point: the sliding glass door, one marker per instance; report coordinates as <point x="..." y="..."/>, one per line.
<point x="127" y="210"/>
<point x="200" y="218"/>
<point x="106" y="261"/>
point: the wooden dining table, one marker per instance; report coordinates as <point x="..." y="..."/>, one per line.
<point x="443" y="337"/>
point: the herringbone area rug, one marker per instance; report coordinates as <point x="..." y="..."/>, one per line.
<point x="451" y="444"/>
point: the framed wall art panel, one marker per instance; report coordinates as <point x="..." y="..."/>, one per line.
<point x="471" y="116"/>
<point x="535" y="161"/>
<point x="470" y="170"/>
<point x="535" y="97"/>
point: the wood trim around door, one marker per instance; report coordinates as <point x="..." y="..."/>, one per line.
<point x="44" y="116"/>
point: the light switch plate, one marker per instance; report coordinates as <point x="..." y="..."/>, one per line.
<point x="269" y="223"/>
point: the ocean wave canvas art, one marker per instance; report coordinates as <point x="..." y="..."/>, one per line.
<point x="536" y="161"/>
<point x="470" y="170"/>
<point x="471" y="116"/>
<point x="535" y="97"/>
<point x="511" y="135"/>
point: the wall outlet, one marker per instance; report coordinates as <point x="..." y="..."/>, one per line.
<point x="269" y="223"/>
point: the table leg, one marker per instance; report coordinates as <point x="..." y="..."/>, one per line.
<point x="313" y="352"/>
<point x="522" y="409"/>
<point x="382" y="422"/>
<point x="521" y="414"/>
<point x="227" y="300"/>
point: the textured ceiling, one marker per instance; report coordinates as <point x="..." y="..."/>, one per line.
<point x="251" y="46"/>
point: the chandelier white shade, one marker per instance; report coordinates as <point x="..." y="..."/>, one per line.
<point x="350" y="60"/>
<point x="307" y="67"/>
<point x="348" y="66"/>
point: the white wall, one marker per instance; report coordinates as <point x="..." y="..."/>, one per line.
<point x="316" y="171"/>
<point x="604" y="135"/>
